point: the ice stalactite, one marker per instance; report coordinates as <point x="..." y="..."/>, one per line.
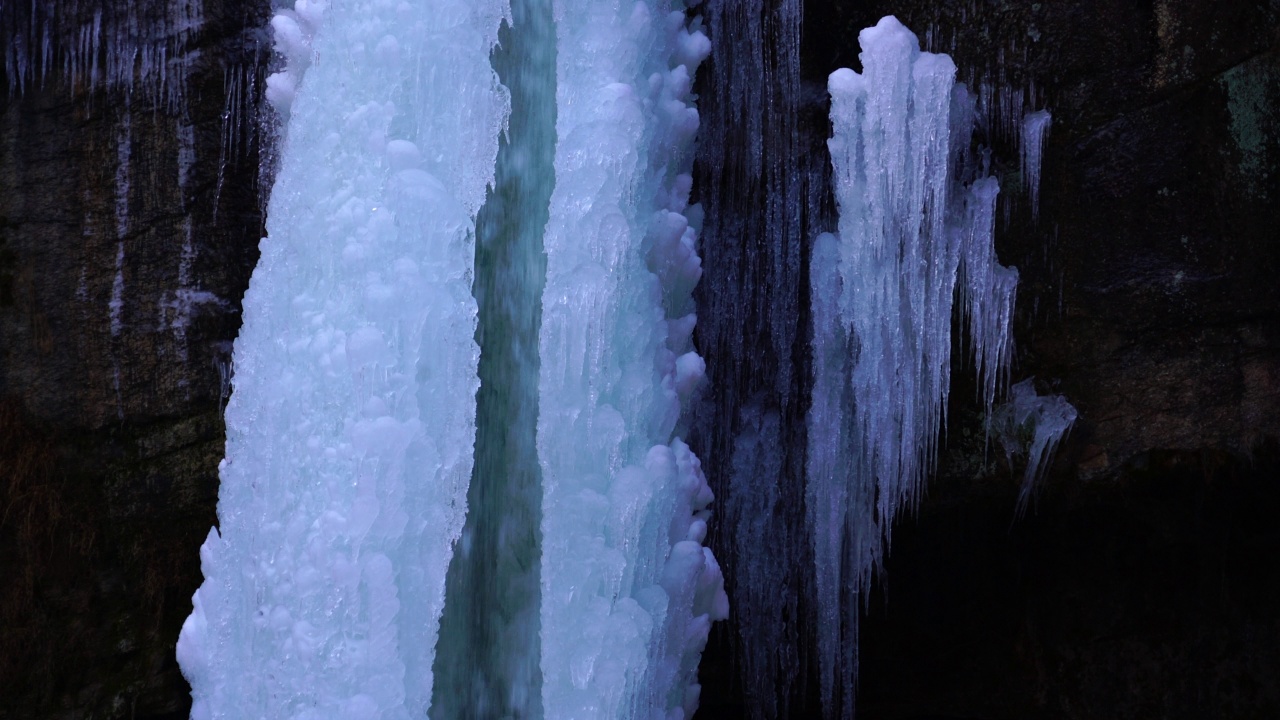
<point x="987" y="288"/>
<point x="124" y="154"/>
<point x="138" y="48"/>
<point x="1035" y="127"/>
<point x="628" y="590"/>
<point x="915" y="215"/>
<point x="351" y="424"/>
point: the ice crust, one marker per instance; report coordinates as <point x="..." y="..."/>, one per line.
<point x="350" y="428"/>
<point x="916" y="217"/>
<point x="628" y="590"/>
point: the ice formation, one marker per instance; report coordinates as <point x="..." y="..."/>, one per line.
<point x="352" y="422"/>
<point x="1035" y="126"/>
<point x="137" y="48"/>
<point x="1034" y="425"/>
<point x="628" y="590"/>
<point x="293" y="32"/>
<point x="916" y="217"/>
<point x="124" y="150"/>
<point x="350" y="429"/>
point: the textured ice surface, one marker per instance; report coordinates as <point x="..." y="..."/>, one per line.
<point x="350" y="429"/>
<point x="915" y="215"/>
<point x="628" y="590"/>
<point x="1032" y="425"/>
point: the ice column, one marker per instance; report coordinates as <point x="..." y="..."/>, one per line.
<point x="350" y="429"/>
<point x="628" y="590"/>
<point x="912" y="219"/>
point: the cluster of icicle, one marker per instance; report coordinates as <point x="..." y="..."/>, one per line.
<point x="142" y="48"/>
<point x="628" y="589"/>
<point x="350" y="430"/>
<point x="916" y="219"/>
<point x="146" y="53"/>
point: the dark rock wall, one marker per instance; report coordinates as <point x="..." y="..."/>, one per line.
<point x="129" y="223"/>
<point x="1137" y="587"/>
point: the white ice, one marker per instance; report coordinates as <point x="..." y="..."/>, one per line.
<point x="350" y="428"/>
<point x="915" y="217"/>
<point x="628" y="590"/>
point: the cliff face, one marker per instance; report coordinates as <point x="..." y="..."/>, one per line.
<point x="129" y="221"/>
<point x="130" y="214"/>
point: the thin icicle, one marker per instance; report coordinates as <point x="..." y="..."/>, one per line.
<point x="1035" y="127"/>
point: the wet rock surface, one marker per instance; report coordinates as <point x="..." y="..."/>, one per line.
<point x="129" y="224"/>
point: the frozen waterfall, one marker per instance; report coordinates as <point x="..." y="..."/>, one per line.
<point x="353" y="429"/>
<point x="456" y="481"/>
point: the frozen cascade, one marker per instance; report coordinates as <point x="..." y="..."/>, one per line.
<point x="914" y="218"/>
<point x="350" y="429"/>
<point x="628" y="590"/>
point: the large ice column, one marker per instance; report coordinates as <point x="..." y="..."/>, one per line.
<point x="628" y="590"/>
<point x="909" y="226"/>
<point x="350" y="429"/>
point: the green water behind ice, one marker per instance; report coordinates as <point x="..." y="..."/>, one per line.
<point x="487" y="660"/>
